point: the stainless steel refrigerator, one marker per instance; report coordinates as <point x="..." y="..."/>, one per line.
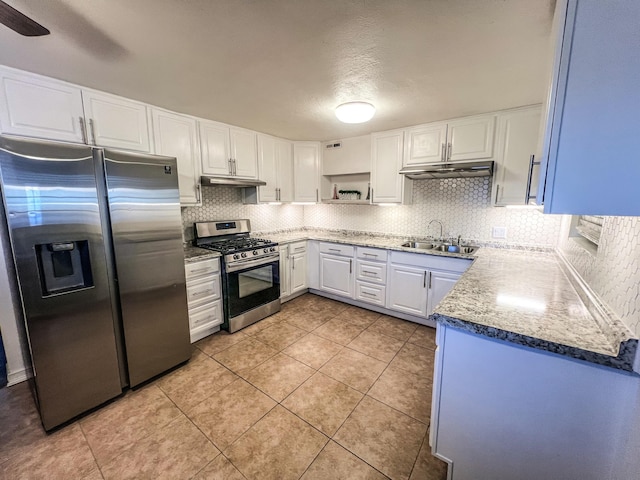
<point x="96" y="238"/>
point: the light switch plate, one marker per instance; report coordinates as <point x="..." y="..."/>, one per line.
<point x="499" y="232"/>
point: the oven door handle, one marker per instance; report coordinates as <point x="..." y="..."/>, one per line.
<point x="244" y="264"/>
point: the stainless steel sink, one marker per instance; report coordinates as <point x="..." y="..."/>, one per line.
<point x="441" y="247"/>
<point x="455" y="248"/>
<point x="420" y="245"/>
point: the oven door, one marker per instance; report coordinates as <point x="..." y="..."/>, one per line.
<point x="252" y="286"/>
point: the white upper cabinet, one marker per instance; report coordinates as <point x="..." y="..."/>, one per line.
<point x="284" y="163"/>
<point x="176" y="136"/>
<point x="267" y="168"/>
<point x="306" y="160"/>
<point x="36" y="106"/>
<point x="116" y="122"/>
<point x="592" y="141"/>
<point x="216" y="152"/>
<point x="517" y="139"/>
<point x="227" y="151"/>
<point x="243" y="152"/>
<point x="275" y="167"/>
<point x="387" y="185"/>
<point x="468" y="138"/>
<point x="425" y="144"/>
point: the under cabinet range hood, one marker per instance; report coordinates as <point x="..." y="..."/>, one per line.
<point x="208" y="181"/>
<point x="449" y="170"/>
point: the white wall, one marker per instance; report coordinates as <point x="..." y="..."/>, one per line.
<point x="10" y="316"/>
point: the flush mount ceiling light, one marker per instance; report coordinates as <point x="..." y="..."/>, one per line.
<point x="355" y="112"/>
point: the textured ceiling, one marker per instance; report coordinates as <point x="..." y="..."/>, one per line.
<point x="281" y="66"/>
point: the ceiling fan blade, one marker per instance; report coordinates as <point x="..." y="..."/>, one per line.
<point x="19" y="22"/>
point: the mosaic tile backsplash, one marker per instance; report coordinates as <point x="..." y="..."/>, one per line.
<point x="463" y="205"/>
<point x="614" y="272"/>
<point x="225" y="203"/>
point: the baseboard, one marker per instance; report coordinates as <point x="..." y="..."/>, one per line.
<point x="295" y="295"/>
<point x="392" y="313"/>
<point x="16" y="377"/>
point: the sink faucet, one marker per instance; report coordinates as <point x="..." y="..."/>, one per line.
<point x="439" y="223"/>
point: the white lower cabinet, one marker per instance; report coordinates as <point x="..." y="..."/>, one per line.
<point x="407" y="291"/>
<point x="203" y="297"/>
<point x="371" y="276"/>
<point x="417" y="283"/>
<point x="336" y="269"/>
<point x="298" y="265"/>
<point x="293" y="269"/>
<point x="440" y="283"/>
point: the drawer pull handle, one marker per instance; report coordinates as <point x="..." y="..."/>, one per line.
<point x="199" y="294"/>
<point x="335" y="250"/>
<point x="365" y="272"/>
<point x="375" y="255"/>
<point x="198" y="270"/>
<point x="370" y="294"/>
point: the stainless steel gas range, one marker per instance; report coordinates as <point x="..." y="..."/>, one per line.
<point x="250" y="271"/>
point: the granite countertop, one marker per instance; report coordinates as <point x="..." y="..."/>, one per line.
<point x="195" y="254"/>
<point x="528" y="298"/>
<point x="360" y="239"/>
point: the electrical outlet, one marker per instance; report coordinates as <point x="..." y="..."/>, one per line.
<point x="499" y="232"/>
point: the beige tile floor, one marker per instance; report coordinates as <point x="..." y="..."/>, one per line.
<point x="320" y="390"/>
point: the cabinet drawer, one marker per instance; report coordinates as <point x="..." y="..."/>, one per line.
<point x="203" y="290"/>
<point x="298" y="247"/>
<point x="437" y="262"/>
<point x="371" y="272"/>
<point x="372" y="254"/>
<point x="337" y="249"/>
<point x="209" y="315"/>
<point x="203" y="267"/>
<point x="370" y="293"/>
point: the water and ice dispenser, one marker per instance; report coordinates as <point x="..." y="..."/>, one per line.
<point x="64" y="266"/>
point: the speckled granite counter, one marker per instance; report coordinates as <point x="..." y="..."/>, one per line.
<point x="195" y="254"/>
<point x="359" y="239"/>
<point x="527" y="298"/>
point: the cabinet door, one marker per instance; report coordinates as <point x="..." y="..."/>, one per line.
<point x="284" y="157"/>
<point x="284" y="271"/>
<point x="176" y="136"/>
<point x="591" y="137"/>
<point x="517" y="141"/>
<point x="116" y="122"/>
<point x="407" y="290"/>
<point x="425" y="144"/>
<point x="216" y="153"/>
<point x="440" y="283"/>
<point x="298" y="272"/>
<point x="386" y="155"/>
<point x="243" y="152"/>
<point x="471" y="138"/>
<point x="267" y="168"/>
<point x="306" y="157"/>
<point x="336" y="275"/>
<point x="34" y="106"/>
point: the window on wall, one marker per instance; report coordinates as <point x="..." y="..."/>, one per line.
<point x="586" y="230"/>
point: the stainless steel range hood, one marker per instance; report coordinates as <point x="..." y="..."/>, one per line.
<point x="208" y="181"/>
<point x="449" y="170"/>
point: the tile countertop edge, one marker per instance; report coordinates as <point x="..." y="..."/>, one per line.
<point x="195" y="254"/>
<point x="623" y="361"/>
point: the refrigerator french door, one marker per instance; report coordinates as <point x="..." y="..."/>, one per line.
<point x="99" y="268"/>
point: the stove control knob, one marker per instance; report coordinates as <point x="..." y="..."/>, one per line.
<point x="236" y="257"/>
<point x="244" y="254"/>
<point x="255" y="252"/>
<point x="266" y="250"/>
<point x="272" y="249"/>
